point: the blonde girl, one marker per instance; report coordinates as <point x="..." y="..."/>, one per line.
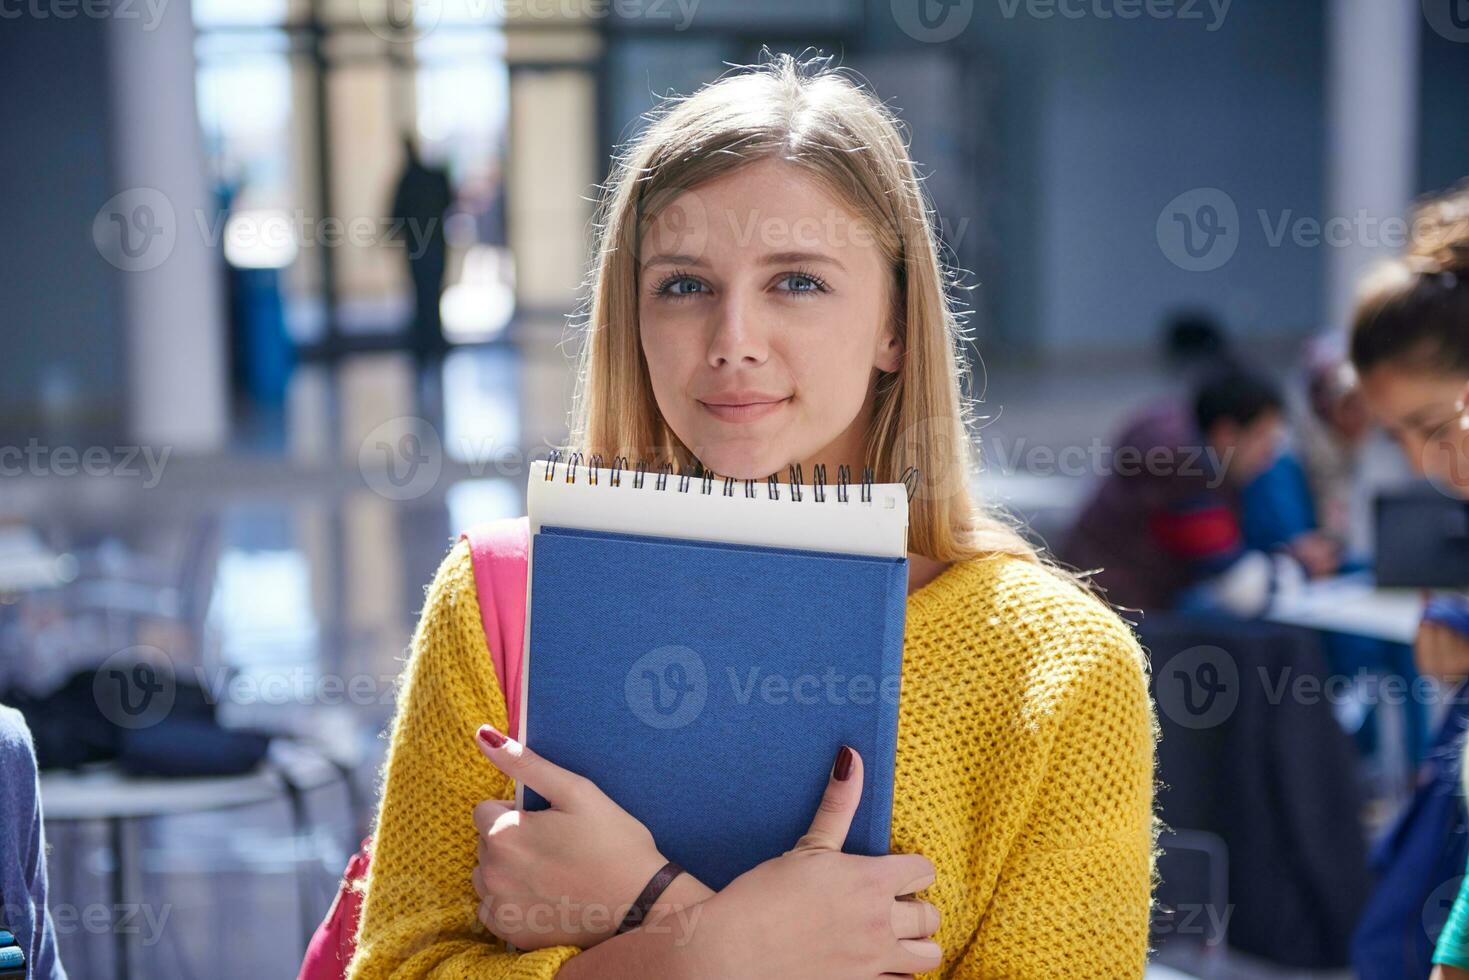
<point x="767" y="291"/>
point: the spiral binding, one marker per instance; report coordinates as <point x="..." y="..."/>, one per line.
<point x="685" y="480"/>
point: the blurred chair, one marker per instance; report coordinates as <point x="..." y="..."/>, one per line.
<point x="1191" y="924"/>
<point x="219" y="877"/>
<point x="1250" y="755"/>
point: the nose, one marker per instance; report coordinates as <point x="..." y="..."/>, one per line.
<point x="740" y="337"/>
<point x="1415" y="448"/>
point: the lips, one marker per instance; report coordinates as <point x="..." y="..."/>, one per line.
<point x="745" y="412"/>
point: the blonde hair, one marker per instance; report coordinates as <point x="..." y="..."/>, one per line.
<point x="819" y="119"/>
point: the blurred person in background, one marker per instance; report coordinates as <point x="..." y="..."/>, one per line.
<point x="421" y="197"/>
<point x="1410" y="346"/>
<point x="1303" y="503"/>
<point x="23" y="910"/>
<point x="1162" y="529"/>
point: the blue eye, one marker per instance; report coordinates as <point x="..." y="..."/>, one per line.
<point x="683" y="287"/>
<point x="802" y="283"/>
<point x="678" y="285"/>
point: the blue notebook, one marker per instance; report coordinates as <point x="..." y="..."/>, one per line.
<point x="706" y="687"/>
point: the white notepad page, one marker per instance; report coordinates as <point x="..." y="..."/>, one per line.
<point x="852" y="526"/>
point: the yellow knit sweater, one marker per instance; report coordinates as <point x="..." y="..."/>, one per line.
<point x="1024" y="772"/>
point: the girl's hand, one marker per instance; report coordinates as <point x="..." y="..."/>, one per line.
<point x="1442" y="652"/>
<point x="815" y="912"/>
<point x="566" y="875"/>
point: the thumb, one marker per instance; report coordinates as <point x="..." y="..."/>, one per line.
<point x="838" y="804"/>
<point x="562" y="787"/>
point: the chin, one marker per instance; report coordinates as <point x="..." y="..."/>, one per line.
<point x="753" y="463"/>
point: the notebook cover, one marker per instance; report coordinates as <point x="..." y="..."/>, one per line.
<point x="706" y="687"/>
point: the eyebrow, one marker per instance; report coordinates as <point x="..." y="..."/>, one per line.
<point x="774" y="258"/>
<point x="1421" y="416"/>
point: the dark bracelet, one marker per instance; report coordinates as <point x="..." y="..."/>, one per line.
<point x="655" y="887"/>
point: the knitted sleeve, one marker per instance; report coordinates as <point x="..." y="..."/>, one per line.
<point x="419" y="914"/>
<point x="1074" y="892"/>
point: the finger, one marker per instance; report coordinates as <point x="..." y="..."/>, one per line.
<point x="907" y="873"/>
<point x="915" y="920"/>
<point x="834" y="814"/>
<point x="914" y="956"/>
<point x="486" y="812"/>
<point x="477" y="878"/>
<point x="562" y="787"/>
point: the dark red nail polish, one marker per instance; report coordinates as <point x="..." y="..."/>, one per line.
<point x="491" y="737"/>
<point x="843" y="767"/>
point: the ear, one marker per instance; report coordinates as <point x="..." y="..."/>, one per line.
<point x="889" y="354"/>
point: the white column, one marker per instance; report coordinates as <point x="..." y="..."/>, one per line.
<point x="171" y="293"/>
<point x="1372" y="134"/>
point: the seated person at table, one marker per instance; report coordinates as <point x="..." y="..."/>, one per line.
<point x="1163" y="527"/>
<point x="1303" y="502"/>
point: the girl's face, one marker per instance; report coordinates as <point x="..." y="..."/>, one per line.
<point x="764" y="316"/>
<point x="1425" y="413"/>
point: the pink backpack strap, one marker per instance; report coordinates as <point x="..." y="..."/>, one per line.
<point x="500" y="553"/>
